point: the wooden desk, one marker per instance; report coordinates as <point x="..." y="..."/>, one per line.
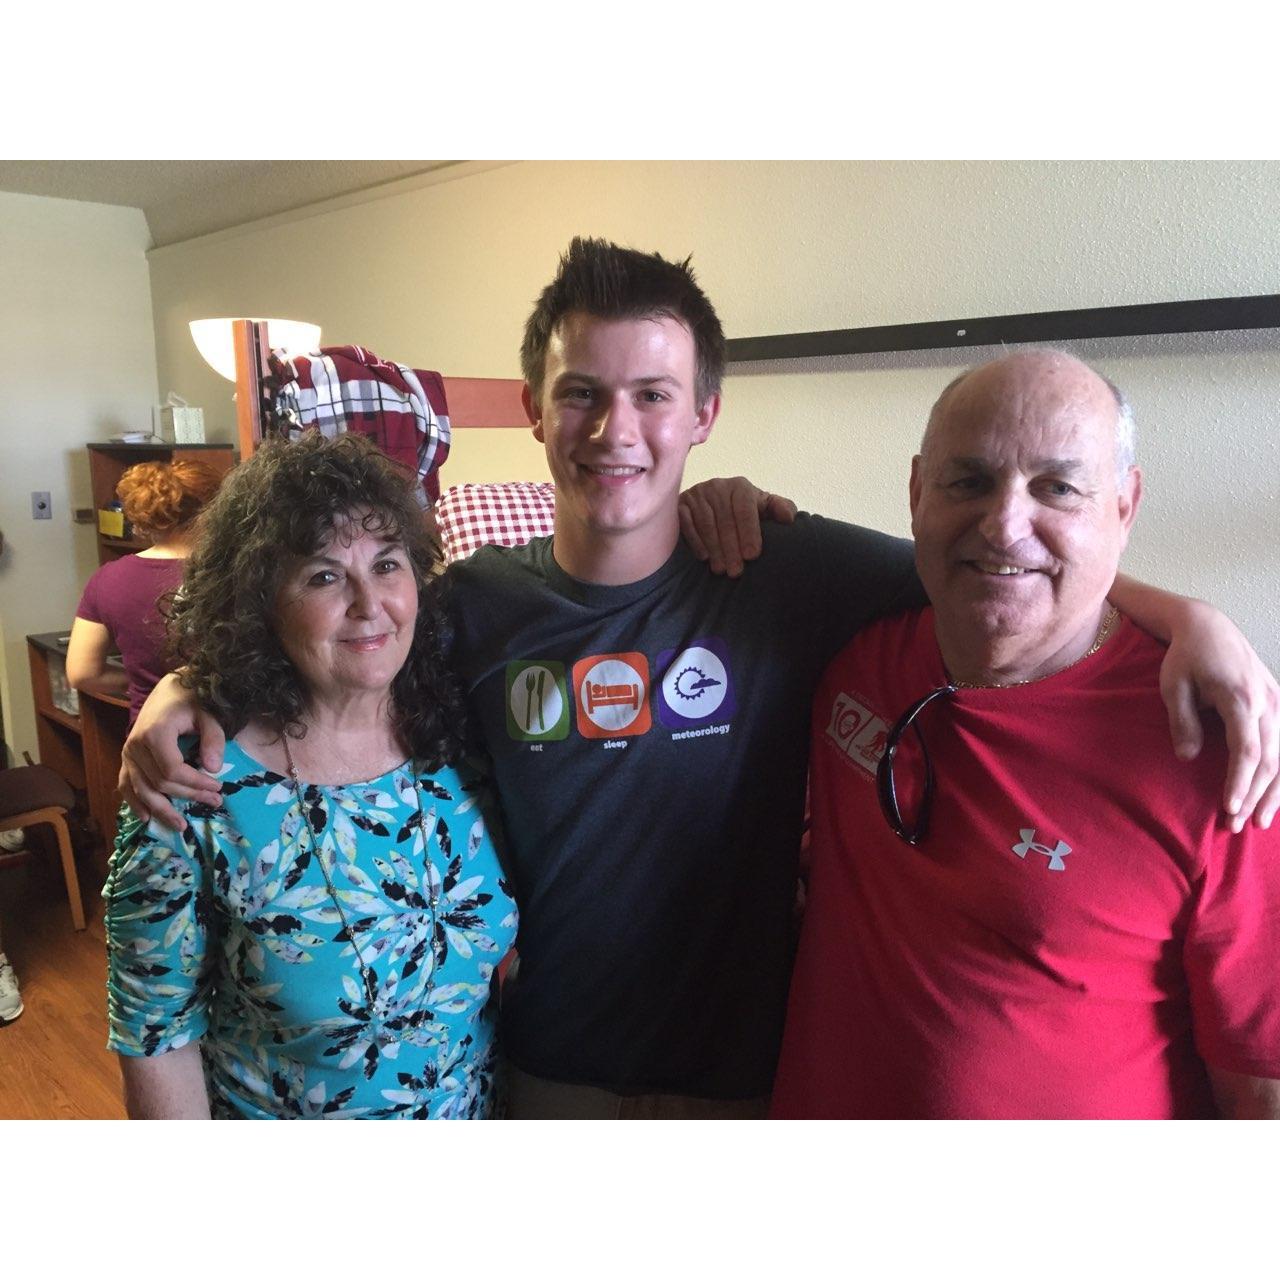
<point x="84" y="749"/>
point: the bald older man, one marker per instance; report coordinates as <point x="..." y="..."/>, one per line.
<point x="1021" y="904"/>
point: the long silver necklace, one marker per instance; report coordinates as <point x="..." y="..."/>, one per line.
<point x="368" y="977"/>
<point x="1104" y="634"/>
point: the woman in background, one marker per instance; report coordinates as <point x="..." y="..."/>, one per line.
<point x="121" y="602"/>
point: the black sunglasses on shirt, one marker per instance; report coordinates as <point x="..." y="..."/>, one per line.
<point x="914" y="832"/>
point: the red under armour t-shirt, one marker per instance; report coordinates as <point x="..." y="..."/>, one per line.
<point x="1077" y="935"/>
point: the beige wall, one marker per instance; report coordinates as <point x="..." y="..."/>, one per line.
<point x="77" y="363"/>
<point x="443" y="275"/>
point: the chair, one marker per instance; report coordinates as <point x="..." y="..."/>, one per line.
<point x="33" y="794"/>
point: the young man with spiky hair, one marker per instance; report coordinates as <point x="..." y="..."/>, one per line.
<point x="647" y="720"/>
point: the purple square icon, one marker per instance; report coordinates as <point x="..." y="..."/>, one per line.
<point x="695" y="686"/>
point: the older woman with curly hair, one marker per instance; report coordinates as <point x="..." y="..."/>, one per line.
<point x="322" y="942"/>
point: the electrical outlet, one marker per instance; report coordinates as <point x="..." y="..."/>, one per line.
<point x="41" y="507"/>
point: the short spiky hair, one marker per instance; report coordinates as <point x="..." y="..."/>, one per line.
<point x="612" y="283"/>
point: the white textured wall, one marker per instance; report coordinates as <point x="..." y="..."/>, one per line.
<point x="444" y="276"/>
<point x="77" y="363"/>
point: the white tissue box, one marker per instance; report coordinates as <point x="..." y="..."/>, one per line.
<point x="182" y="424"/>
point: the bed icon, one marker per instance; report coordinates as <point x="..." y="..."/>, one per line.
<point x="613" y="695"/>
<point x="611" y="692"/>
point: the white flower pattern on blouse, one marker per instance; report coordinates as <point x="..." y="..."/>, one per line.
<point x="228" y="934"/>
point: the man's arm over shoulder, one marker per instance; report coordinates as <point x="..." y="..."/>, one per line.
<point x="854" y="575"/>
<point x="1211" y="664"/>
<point x="488" y="575"/>
<point x="152" y="768"/>
<point x="859" y="575"/>
<point x="483" y="597"/>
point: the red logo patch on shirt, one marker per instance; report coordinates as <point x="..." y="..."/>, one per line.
<point x="857" y="731"/>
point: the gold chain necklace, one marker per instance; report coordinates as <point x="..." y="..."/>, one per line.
<point x="1104" y="634"/>
<point x="368" y="977"/>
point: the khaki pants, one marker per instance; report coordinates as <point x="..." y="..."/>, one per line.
<point x="532" y="1098"/>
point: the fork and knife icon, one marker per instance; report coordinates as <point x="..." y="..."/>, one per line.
<point x="534" y="682"/>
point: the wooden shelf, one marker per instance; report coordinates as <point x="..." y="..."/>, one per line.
<point x="58" y="716"/>
<point x="57" y="732"/>
<point x="84" y="749"/>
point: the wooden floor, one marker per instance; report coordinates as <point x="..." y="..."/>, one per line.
<point x="54" y="1063"/>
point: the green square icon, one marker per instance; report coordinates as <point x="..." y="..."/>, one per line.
<point x="537" y="701"/>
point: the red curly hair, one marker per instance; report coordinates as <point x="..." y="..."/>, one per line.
<point x="159" y="497"/>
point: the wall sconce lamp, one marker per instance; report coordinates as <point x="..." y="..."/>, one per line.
<point x="238" y="348"/>
<point x="214" y="341"/>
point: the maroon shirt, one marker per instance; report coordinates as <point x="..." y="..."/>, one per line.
<point x="124" y="596"/>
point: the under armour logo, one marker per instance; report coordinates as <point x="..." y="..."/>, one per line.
<point x="1055" y="855"/>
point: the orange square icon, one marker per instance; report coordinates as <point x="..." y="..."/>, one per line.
<point x="611" y="692"/>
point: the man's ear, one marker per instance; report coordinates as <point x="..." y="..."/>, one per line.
<point x="532" y="411"/>
<point x="916" y="486"/>
<point x="706" y="419"/>
<point x="1129" y="499"/>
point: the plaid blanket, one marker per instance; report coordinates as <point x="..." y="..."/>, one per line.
<point x="340" y="389"/>
<point x="471" y="516"/>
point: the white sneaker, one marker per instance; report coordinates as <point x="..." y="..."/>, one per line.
<point x="10" y="996"/>
<point x="12" y="841"/>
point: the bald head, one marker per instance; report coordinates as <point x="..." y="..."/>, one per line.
<point x="1020" y="513"/>
<point x="1044" y="379"/>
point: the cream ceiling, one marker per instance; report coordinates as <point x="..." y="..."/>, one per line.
<point x="186" y="198"/>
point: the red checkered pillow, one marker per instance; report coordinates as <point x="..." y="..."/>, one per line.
<point x="472" y="516"/>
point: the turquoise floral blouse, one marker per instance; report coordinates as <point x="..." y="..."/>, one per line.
<point x="227" y="934"/>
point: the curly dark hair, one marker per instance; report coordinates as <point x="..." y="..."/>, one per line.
<point x="286" y="501"/>
<point x="612" y="283"/>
